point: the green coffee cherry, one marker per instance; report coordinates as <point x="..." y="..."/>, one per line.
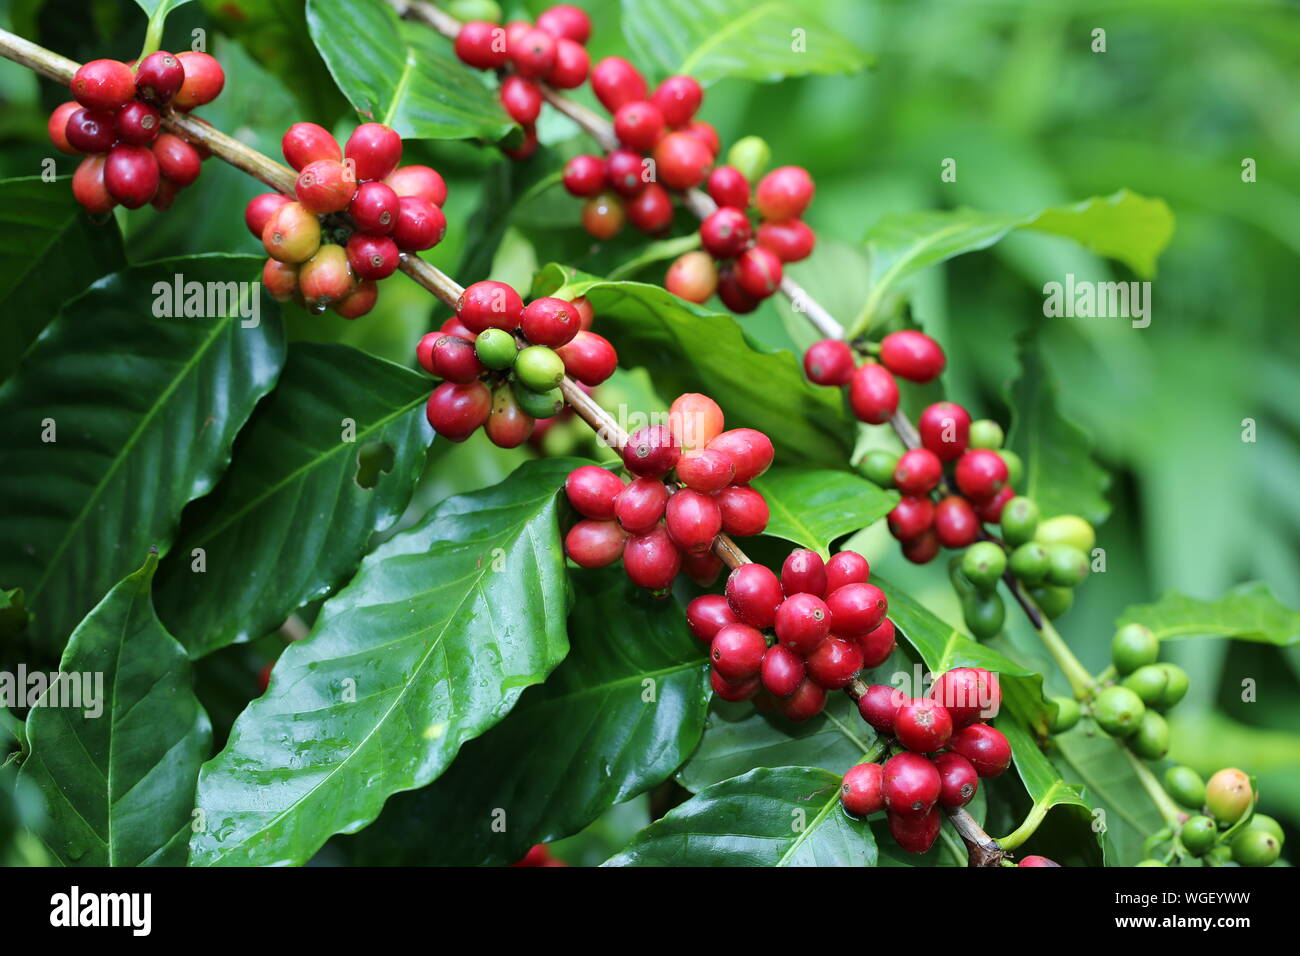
<point x="1198" y="835"/>
<point x="1133" y="646"/>
<point x="1220" y="854"/>
<point x="1175" y="687"/>
<point x="1151" y="742"/>
<point x="1148" y="863"/>
<point x="1053" y="601"/>
<point x="496" y="348"/>
<point x="986" y="433"/>
<point x="1066" y="566"/>
<point x="878" y="465"/>
<point x="750" y="155"/>
<point x="1029" y="563"/>
<point x="1067" y="714"/>
<point x="538" y="404"/>
<point x="1019" y="520"/>
<point x="467" y="11"/>
<point x="983" y="564"/>
<point x="1015" y="467"/>
<point x="1186" y="786"/>
<point x="1253" y="847"/>
<point x="1261" y="822"/>
<point x="1118" y="711"/>
<point x="1148" y="682"/>
<point x="1229" y="795"/>
<point x="539" y="368"/>
<point x="984" y="613"/>
<point x="1067" y="529"/>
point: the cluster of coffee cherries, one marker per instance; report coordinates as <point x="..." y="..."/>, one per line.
<point x="943" y="747"/>
<point x="551" y="51"/>
<point x="743" y="265"/>
<point x="502" y="362"/>
<point x="690" y="483"/>
<point x="353" y="215"/>
<point x="1224" y="828"/>
<point x="115" y="120"/>
<point x="822" y="619"/>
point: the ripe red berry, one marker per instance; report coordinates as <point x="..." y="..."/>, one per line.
<point x="877" y="644"/>
<point x="416" y="180"/>
<point x="291" y="234"/>
<point x="131" y="175"/>
<point x="741" y="690"/>
<point x="703" y="569"/>
<point x="177" y="160"/>
<point x="280" y="279"/>
<point x="454" y="359"/>
<point x="856" y="608"/>
<point x="549" y="321"/>
<point x="88" y="186"/>
<point x="57" y="126"/>
<point x="945" y="430"/>
<point x="594" y="544"/>
<point x="958" y="781"/>
<point x="802" y="623"/>
<point x="693" y="520"/>
<point x="641" y="505"/>
<point x="534" y="54"/>
<point x="829" y="362"/>
<point x="912" y="355"/>
<point x="508" y="426"/>
<point x="137" y="123"/>
<point x="204" y="80"/>
<point x="420" y="224"/>
<point x="586" y="313"/>
<point x="737" y="651"/>
<point x="373" y="257"/>
<point x="792" y="241"/>
<point x="682" y="161"/>
<point x="725" y="233"/>
<point x="325" y="186"/>
<point x="744" y="511"/>
<point x="759" y="271"/>
<point x="588" y="357"/>
<point x="374" y="209"/>
<point x="922" y="726"/>
<point x="749" y="449"/>
<point x="695" y="420"/>
<point x="804" y="572"/>
<point x="916" y="834"/>
<point x="615" y="81"/>
<point x="912" y="517"/>
<point x="846" y="567"/>
<point x="728" y="187"/>
<point x="359" y="301"/>
<point x="457" y="410"/>
<point x="966" y="692"/>
<point x="260" y="209"/>
<point x="922" y="549"/>
<point x="990" y="510"/>
<point x="326" y="277"/>
<point x="879" y="706"/>
<point x="732" y="295"/>
<point x="1037" y="861"/>
<point x="638" y="125"/>
<point x="981" y="473"/>
<point x="306" y="143"/>
<point x="710" y="471"/>
<point x="861" y="792"/>
<point x="626" y="172"/>
<point x="652" y="560"/>
<point x="592" y="490"/>
<point x="985" y="747"/>
<point x="482" y="45"/>
<point x="918" y="472"/>
<point x="754" y="594"/>
<point x="602" y="216"/>
<point x="103" y="85"/>
<point x="708" y="613"/>
<point x="706" y="135"/>
<point x="677" y="99"/>
<point x="834" y="663"/>
<point x="955" y="522"/>
<point x="159" y="76"/>
<point x="489" y="305"/>
<point x="90" y="131"/>
<point x="651" y="450"/>
<point x="584" y="175"/>
<point x="911" y="785"/>
<point x="782" y="671"/>
<point x="572" y="64"/>
<point x="521" y="98"/>
<point x="873" y="394"/>
<point x="805" y="703"/>
<point x="565" y="20"/>
<point x="784" y="193"/>
<point x="650" y="210"/>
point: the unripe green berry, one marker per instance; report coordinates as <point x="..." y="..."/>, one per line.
<point x="984" y="613"/>
<point x="539" y="368"/>
<point x="1051" y="600"/>
<point x="1253" y="847"/>
<point x="1148" y="682"/>
<point x="1220" y="854"/>
<point x="983" y="564"/>
<point x="1019" y="520"/>
<point x="467" y="11"/>
<point x="1175" y="687"/>
<point x="1151" y="742"/>
<point x="496" y="348"/>
<point x="538" y="404"/>
<point x="1133" y="646"/>
<point x="1015" y="467"/>
<point x="986" y="433"/>
<point x="1029" y="563"/>
<point x="1262" y="822"/>
<point x="1229" y="795"/>
<point x="1118" y="711"/>
<point x="1067" y="529"/>
<point x="1068" y="713"/>
<point x="878" y="465"/>
<point x="750" y="155"/>
<point x="1148" y="863"/>
<point x="1186" y="786"/>
<point x="1066" y="566"/>
<point x="1198" y="835"/>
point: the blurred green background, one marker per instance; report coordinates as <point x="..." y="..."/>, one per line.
<point x="1015" y="94"/>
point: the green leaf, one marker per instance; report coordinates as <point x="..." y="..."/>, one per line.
<point x="157" y="10"/>
<point x="790" y="816"/>
<point x="1060" y="473"/>
<point x="118" y="776"/>
<point x="812" y="507"/>
<point x="686" y="347"/>
<point x="765" y="40"/>
<point x="291" y="518"/>
<point x="585" y="740"/>
<point x="50" y="251"/>
<point x="429" y="645"/>
<point x="13" y="614"/>
<point x="142" y="411"/>
<point x="403" y="74"/>
<point x="1249" y="612"/>
<point x="1123" y="226"/>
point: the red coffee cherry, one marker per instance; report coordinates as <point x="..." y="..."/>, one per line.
<point x="732" y="295"/>
<point x="955" y="522"/>
<point x="641" y="505"/>
<point x="725" y="233"/>
<point x="692" y="276"/>
<point x="508" y="426"/>
<point x="744" y="511"/>
<point x="759" y="271"/>
<point x="754" y="594"/>
<point x="571" y="65"/>
<point x="693" y="520"/>
<point x="803" y="572"/>
<point x="706" y="135"/>
<point x="638" y="125"/>
<point x="177" y="160"/>
<point x="741" y="690"/>
<point x="862" y="792"/>
<point x="945" y="430"/>
<point x="204" y="80"/>
<point x="912" y="355"/>
<point x="359" y="301"/>
<point x="131" y="175"/>
<point x="682" y="161"/>
<point x="57" y="126"/>
<point x="158" y="78"/>
<point x="981" y="474"/>
<point x="879" y="706"/>
<point x="602" y="216"/>
<point x="792" y="241"/>
<point x="802" y="622"/>
<point x="1037" y="861"/>
<point x="260" y="209"/>
<point x="651" y="450"/>
<point x="782" y="671"/>
<point x="586" y="313"/>
<point x="306" y="143"/>
<point x="805" y="703"/>
<point x="373" y="257"/>
<point x="707" y="614"/>
<point x="615" y="81"/>
<point x="588" y="357"/>
<point x="280" y="279"/>
<point x="695" y="420"/>
<point x="374" y="209"/>
<point x="677" y="98"/>
<point x="103" y="85"/>
<point x="592" y="491"/>
<point x="737" y="652"/>
<point x="534" y="54"/>
<point x="918" y="472"/>
<point x="958" y="781"/>
<point x="454" y="359"/>
<point x="784" y="193"/>
<point x="877" y="644"/>
<point x="420" y="224"/>
<point x="986" y="748"/>
<point x="626" y="172"/>
<point x="829" y="362"/>
<point x="964" y="691"/>
<point x="565" y="20"/>
<point x="915" y="834"/>
<point x="834" y="663"/>
<point x="457" y="410"/>
<point x="990" y="510"/>
<point x="650" y="210"/>
<point x="88" y="186"/>
<point x="702" y="568"/>
<point x="912" y="517"/>
<point x="911" y="785"/>
<point x="481" y="45"/>
<point x="584" y="175"/>
<point x="325" y="186"/>
<point x="90" y="131"/>
<point x="922" y="549"/>
<point x="729" y="188"/>
<point x="521" y="98"/>
<point x="137" y="123"/>
<point x="422" y="181"/>
<point x="856" y="608"/>
<point x="594" y="544"/>
<point x="489" y="305"/>
<point x="873" y="394"/>
<point x="749" y="449"/>
<point x="326" y="277"/>
<point x="922" y="726"/>
<point x="549" y="321"/>
<point x="291" y="234"/>
<point x="515" y="31"/>
<point x="651" y="560"/>
<point x="846" y="567"/>
<point x="710" y="471"/>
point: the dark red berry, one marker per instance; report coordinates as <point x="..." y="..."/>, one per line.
<point x="651" y="450"/>
<point x="592" y="490"/>
<point x="420" y="224"/>
<point x="784" y="193"/>
<point x="260" y="209"/>
<point x="945" y="429"/>
<point x="489" y="305"/>
<point x="565" y="20"/>
<point x="374" y="209"/>
<point x="805" y="703"/>
<point x="922" y="549"/>
<point x="955" y="522"/>
<point x="159" y="76"/>
<point x="373" y="257"/>
<point x="834" y="663"/>
<point x="918" y="472"/>
<point x="650" y="210"/>
<point x="877" y="644"/>
<point x="90" y="131"/>
<point x="652" y="560"/>
<point x="754" y="593"/>
<point x="457" y="410"/>
<point x="990" y="510"/>
<point x="521" y="98"/>
<point x="922" y="725"/>
<point x="749" y="449"/>
<point x="846" y="567"/>
<point x="782" y="671"/>
<point x="911" y="785"/>
<point x="455" y="360"/>
<point x="572" y="65"/>
<point x="482" y="45"/>
<point x="137" y="123"/>
<point x="677" y="99"/>
<point x="589" y="358"/>
<point x="804" y="572"/>
<point x="912" y="355"/>
<point x="986" y="748"/>
<point x="981" y="474"/>
<point x="1037" y="861"/>
<point x="707" y="614"/>
<point x="744" y="511"/>
<point x="725" y="233"/>
<point x="741" y="690"/>
<point x="915" y="834"/>
<point x="534" y="54"/>
<point x="911" y="517"/>
<point x="306" y="143"/>
<point x="737" y="651"/>
<point x="728" y="187"/>
<point x="965" y="692"/>
<point x="732" y="295"/>
<point x="792" y="241"/>
<point x="594" y="544"/>
<point x="711" y="471"/>
<point x="584" y="175"/>
<point x="829" y="362"/>
<point x="879" y="706"/>
<point x="625" y="171"/>
<point x="422" y="181"/>
<point x="682" y="161"/>
<point x="693" y="520"/>
<point x="856" y="608"/>
<point x="204" y="80"/>
<point x="131" y="175"/>
<point x="103" y="85"/>
<point x="759" y="271"/>
<point x="958" y="781"/>
<point x="641" y="505"/>
<point x="177" y="160"/>
<point x="873" y="394"/>
<point x="802" y="623"/>
<point x="549" y="321"/>
<point x="638" y="125"/>
<point x="88" y="186"/>
<point x="861" y="792"/>
<point x="615" y="81"/>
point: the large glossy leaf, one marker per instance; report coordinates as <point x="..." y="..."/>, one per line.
<point x="749" y="39"/>
<point x="1123" y="226"/>
<point x="616" y="718"/>
<point x="814" y="506"/>
<point x="291" y="519"/>
<point x="49" y="252"/>
<point x="687" y="347"/>
<point x="403" y="74"/>
<point x="429" y="645"/>
<point x="790" y="816"/>
<point x="118" y="777"/>
<point x="1250" y="612"/>
<point x="143" y="410"/>
<point x="1060" y="473"/>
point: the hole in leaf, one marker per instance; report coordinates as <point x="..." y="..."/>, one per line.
<point x="373" y="459"/>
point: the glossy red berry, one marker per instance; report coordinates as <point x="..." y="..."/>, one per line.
<point x="416" y="180"/>
<point x="602" y="216"/>
<point x="873" y="394"/>
<point x="802" y="623"/>
<point x="280" y="279"/>
<point x="862" y="792"/>
<point x="57" y="126"/>
<point x="651" y="450"/>
<point x="572" y="64"/>
<point x="912" y="517"/>
<point x="985" y="747"/>
<point x="455" y="360"/>
<point x="922" y="726"/>
<point x="754" y="594"/>
<point x="693" y="520"/>
<point x="88" y="186"/>
<point x="534" y="54"/>
<point x="584" y="175"/>
<point x="641" y="505"/>
<point x="990" y="510"/>
<point x="829" y="362"/>
<point x="877" y="644"/>
<point x="737" y="651"/>
<point x="759" y="271"/>
<point x="677" y="99"/>
<point x="359" y="301"/>
<point x="177" y="160"/>
<point x="90" y="131"/>
<point x="834" y="662"/>
<point x="158" y="78"/>
<point x="626" y="172"/>
<point x="695" y="420"/>
<point x="650" y="210"/>
<point x="103" y="85"/>
<point x="784" y="193"/>
<point x="879" y="706"/>
<point x="916" y="834"/>
<point x="592" y="491"/>
<point x="912" y="355"/>
<point x="325" y="186"/>
<point x="725" y="233"/>
<point x="131" y="175"/>
<point x="792" y="241"/>
<point x="728" y="187"/>
<point x="741" y="690"/>
<point x="1037" y="861"/>
<point x="918" y="472"/>
<point x="306" y="143"/>
<point x="708" y="613"/>
<point x="137" y="123"/>
<point x="744" y="511"/>
<point x="457" y="410"/>
<point x="260" y="209"/>
<point x="204" y="80"/>
<point x="955" y="522"/>
<point x="521" y="98"/>
<point x="594" y="544"/>
<point x="966" y="692"/>
<point x="846" y="567"/>
<point x="958" y="781"/>
<point x="945" y="430"/>
<point x="565" y="20"/>
<point x="911" y="785"/>
<point x="682" y="161"/>
<point x="749" y="449"/>
<point x="981" y="473"/>
<point x="420" y="224"/>
<point x="489" y="305"/>
<point x="652" y="560"/>
<point x="782" y="671"/>
<point x="703" y="569"/>
<point x="482" y="45"/>
<point x="710" y="471"/>
<point x="705" y="134"/>
<point x="732" y="295"/>
<point x="374" y="209"/>
<point x="588" y="357"/>
<point x="615" y="81"/>
<point x="922" y="549"/>
<point x="638" y="125"/>
<point x="373" y="257"/>
<point x="856" y="608"/>
<point x="326" y="277"/>
<point x="549" y="321"/>
<point x="805" y="703"/>
<point x="804" y="572"/>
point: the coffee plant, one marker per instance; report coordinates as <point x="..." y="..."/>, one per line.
<point x="320" y="630"/>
